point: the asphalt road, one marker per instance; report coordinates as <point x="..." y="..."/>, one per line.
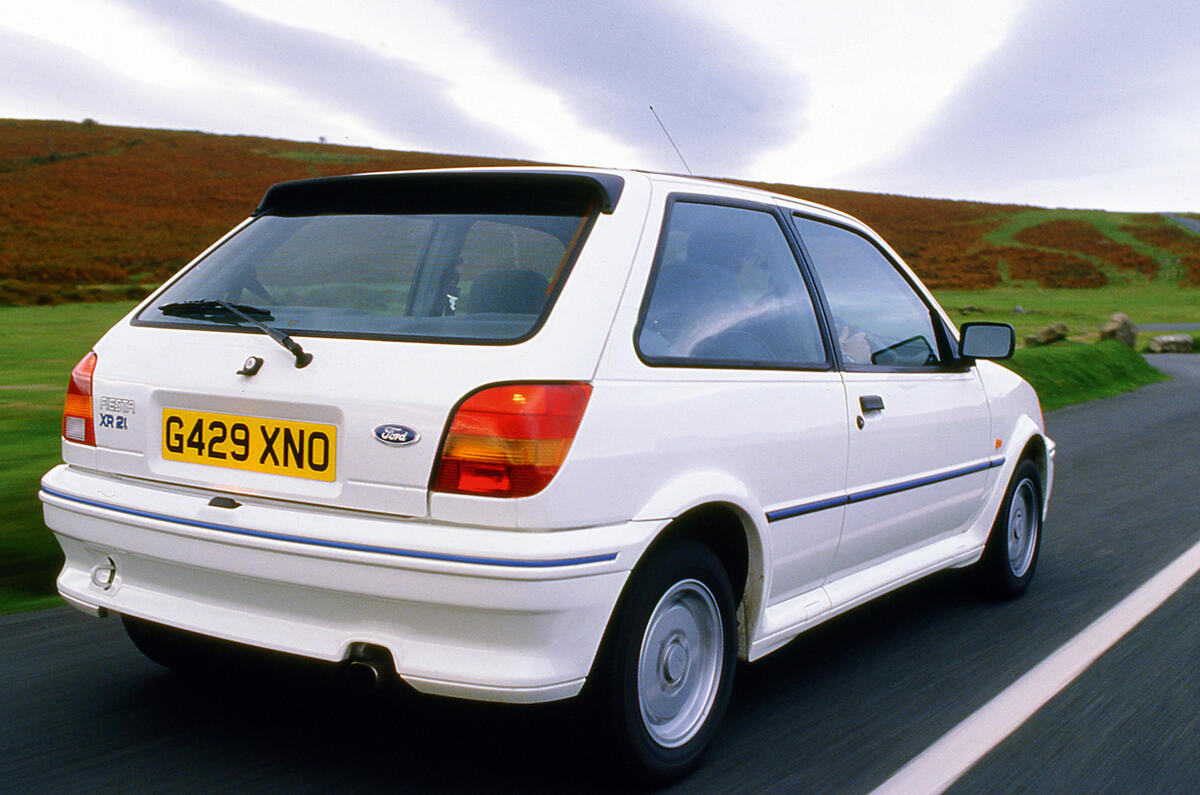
<point x="1191" y="223"/>
<point x="839" y="710"/>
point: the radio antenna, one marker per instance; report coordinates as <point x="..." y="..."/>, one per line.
<point x="672" y="140"/>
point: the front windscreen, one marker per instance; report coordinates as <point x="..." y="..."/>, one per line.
<point x="458" y="277"/>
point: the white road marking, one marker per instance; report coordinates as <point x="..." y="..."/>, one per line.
<point x="941" y="764"/>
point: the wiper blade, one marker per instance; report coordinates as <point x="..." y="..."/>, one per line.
<point x="293" y="347"/>
<point x="217" y="309"/>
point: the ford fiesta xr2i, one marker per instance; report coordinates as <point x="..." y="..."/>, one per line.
<point x="521" y="435"/>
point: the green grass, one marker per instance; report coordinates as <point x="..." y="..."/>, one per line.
<point x="1073" y="372"/>
<point x="1107" y="223"/>
<point x="1083" y="310"/>
<point x="38" y="348"/>
<point x="319" y="157"/>
<point x="1067" y="373"/>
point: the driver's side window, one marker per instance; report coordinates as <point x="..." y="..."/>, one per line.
<point x="879" y="319"/>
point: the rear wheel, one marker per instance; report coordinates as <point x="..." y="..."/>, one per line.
<point x="1016" y="538"/>
<point x="668" y="664"/>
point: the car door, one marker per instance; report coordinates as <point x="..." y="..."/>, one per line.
<point x="920" y="444"/>
<point x="733" y="339"/>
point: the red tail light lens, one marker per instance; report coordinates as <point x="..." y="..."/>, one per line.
<point x="509" y="441"/>
<point x="77" y="424"/>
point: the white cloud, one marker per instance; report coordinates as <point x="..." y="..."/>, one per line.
<point x="114" y="36"/>
<point x="1089" y="103"/>
<point x="723" y="99"/>
<point x="879" y="71"/>
<point x="479" y="81"/>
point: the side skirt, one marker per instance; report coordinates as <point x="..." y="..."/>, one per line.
<point x="784" y="621"/>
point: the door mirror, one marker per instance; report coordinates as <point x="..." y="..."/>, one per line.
<point x="986" y="341"/>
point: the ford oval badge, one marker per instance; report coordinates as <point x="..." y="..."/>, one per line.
<point x="397" y="435"/>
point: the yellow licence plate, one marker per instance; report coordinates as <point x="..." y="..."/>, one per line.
<point x="257" y="444"/>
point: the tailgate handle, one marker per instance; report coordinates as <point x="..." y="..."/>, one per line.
<point x="870" y="403"/>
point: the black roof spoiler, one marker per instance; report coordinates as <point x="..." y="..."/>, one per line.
<point x="534" y="192"/>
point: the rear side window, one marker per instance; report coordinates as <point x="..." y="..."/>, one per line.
<point x="879" y="319"/>
<point x="727" y="292"/>
<point x="445" y="276"/>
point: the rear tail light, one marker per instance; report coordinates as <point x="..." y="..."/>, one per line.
<point x="77" y="424"/>
<point x="509" y="441"/>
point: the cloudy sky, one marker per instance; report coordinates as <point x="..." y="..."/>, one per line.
<point x="1076" y="103"/>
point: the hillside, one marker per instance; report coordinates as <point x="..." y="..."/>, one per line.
<point x="92" y="212"/>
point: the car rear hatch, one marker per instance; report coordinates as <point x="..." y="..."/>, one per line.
<point x="317" y="354"/>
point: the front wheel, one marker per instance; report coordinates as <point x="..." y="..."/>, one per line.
<point x="668" y="665"/>
<point x="1016" y="538"/>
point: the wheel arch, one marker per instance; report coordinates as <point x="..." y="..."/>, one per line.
<point x="728" y="530"/>
<point x="1038" y="451"/>
<point x="1035" y="450"/>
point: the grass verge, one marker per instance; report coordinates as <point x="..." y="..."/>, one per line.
<point x="1068" y="372"/>
<point x="38" y="348"/>
<point x="1083" y="310"/>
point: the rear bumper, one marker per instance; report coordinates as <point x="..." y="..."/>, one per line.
<point x="483" y="614"/>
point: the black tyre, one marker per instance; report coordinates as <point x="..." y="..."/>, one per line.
<point x="667" y="667"/>
<point x="1016" y="539"/>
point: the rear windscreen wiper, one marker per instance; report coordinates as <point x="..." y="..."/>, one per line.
<point x="217" y="309"/>
<point x="214" y="310"/>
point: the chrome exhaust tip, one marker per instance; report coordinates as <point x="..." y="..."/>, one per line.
<point x="368" y="668"/>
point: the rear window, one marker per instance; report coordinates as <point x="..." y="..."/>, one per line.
<point x="441" y="276"/>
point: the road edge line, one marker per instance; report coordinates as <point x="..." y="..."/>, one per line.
<point x="944" y="762"/>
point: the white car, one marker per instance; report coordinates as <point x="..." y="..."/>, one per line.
<point x="520" y="434"/>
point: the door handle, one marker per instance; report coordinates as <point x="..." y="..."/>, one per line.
<point x="870" y="403"/>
